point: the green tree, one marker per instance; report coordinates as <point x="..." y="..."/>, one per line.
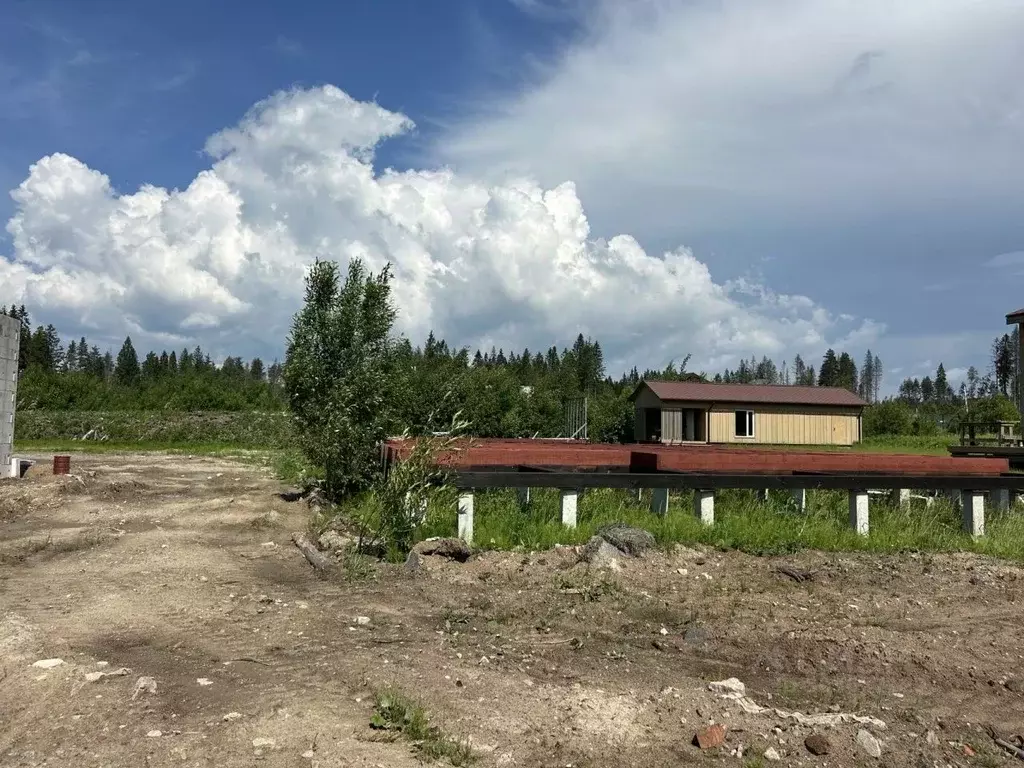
<point x="828" y="376"/>
<point x="126" y="370"/>
<point x="890" y="417"/>
<point x="337" y="373"/>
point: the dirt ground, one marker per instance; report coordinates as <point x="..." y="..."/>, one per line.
<point x="181" y="570"/>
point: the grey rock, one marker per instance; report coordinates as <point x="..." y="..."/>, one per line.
<point x="453" y="549"/>
<point x="632" y="541"/>
<point x="600" y="554"/>
<point x="868" y="743"/>
<point x="1016" y="685"/>
<point x="332" y="541"/>
<point x="817" y="744"/>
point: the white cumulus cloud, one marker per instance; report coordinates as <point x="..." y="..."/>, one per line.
<point x="221" y="262"/>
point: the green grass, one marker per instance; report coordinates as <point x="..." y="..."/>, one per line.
<point x="394" y="711"/>
<point x="91" y="446"/>
<point x="740" y="523"/>
<point x="934" y="445"/>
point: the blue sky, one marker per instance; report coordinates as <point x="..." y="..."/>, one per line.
<point x="822" y="173"/>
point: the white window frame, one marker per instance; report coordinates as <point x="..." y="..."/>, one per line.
<point x="750" y="423"/>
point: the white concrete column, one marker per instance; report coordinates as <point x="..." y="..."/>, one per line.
<point x="762" y="495"/>
<point x="523" y="494"/>
<point x="800" y="498"/>
<point x="570" y="500"/>
<point x="704" y="506"/>
<point x="973" y="512"/>
<point x="15" y="468"/>
<point x="416" y="511"/>
<point x="953" y="496"/>
<point x="639" y="493"/>
<point x="899" y="497"/>
<point x="466" y="516"/>
<point x="859" y="507"/>
<point x="1001" y="499"/>
<point x="659" y="501"/>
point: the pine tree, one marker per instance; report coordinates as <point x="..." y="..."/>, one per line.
<point x="876" y="371"/>
<point x="828" y="376"/>
<point x="867" y="378"/>
<point x="126" y="370"/>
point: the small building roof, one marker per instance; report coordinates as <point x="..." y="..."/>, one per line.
<point x="773" y="394"/>
<point x="1015" y="317"/>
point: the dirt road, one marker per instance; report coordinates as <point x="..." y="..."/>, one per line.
<point x="180" y="571"/>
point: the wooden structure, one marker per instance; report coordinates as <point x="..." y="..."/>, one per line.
<point x="697" y="412"/>
<point x="1017" y="318"/>
<point x="10" y="342"/>
<point x="572" y="466"/>
<point x="998" y="433"/>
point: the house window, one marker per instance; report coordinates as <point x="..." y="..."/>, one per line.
<point x="744" y="423"/>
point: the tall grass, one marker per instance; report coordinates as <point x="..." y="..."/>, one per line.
<point x="741" y="522"/>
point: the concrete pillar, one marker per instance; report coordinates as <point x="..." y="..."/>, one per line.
<point x="569" y="505"/>
<point x="466" y="516"/>
<point x="800" y="499"/>
<point x="1001" y="499"/>
<point x="953" y="497"/>
<point x="973" y="512"/>
<point x="417" y="511"/>
<point x="859" y="519"/>
<point x="523" y="494"/>
<point x="659" y="501"/>
<point x="639" y="493"/>
<point x="762" y="495"/>
<point x="704" y="506"/>
<point x="899" y="497"/>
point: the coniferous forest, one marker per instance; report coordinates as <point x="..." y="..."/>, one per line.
<point x="501" y="393"/>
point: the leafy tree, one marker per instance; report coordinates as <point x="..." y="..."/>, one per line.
<point x="337" y="373"/>
<point x="889" y="417"/>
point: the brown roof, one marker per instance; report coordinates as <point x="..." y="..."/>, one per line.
<point x="1015" y="317"/>
<point x="782" y="394"/>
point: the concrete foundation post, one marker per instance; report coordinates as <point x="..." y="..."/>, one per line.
<point x="523" y="495"/>
<point x="800" y="498"/>
<point x="569" y="505"/>
<point x="762" y="495"/>
<point x="704" y="506"/>
<point x="465" y="516"/>
<point x="899" y="497"/>
<point x="416" y="511"/>
<point x="659" y="501"/>
<point x="639" y="493"/>
<point x="953" y="497"/>
<point x="973" y="512"/>
<point x="859" y="509"/>
<point x="1001" y="499"/>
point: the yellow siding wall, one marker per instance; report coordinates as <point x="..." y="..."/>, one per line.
<point x="787" y="425"/>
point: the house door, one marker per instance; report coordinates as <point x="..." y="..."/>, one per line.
<point x="652" y="424"/>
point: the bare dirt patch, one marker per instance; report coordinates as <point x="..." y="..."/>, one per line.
<point x="181" y="570"/>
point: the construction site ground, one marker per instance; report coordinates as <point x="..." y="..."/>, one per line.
<point x="175" y="577"/>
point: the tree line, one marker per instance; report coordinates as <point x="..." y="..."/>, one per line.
<point x="503" y="394"/>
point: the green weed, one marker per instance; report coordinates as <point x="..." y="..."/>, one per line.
<point x="394" y="711"/>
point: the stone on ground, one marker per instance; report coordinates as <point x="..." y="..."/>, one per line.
<point x="868" y="743"/>
<point x="453" y="549"/>
<point x="710" y="737"/>
<point x="817" y="744"/>
<point x="600" y="554"/>
<point x="632" y="541"/>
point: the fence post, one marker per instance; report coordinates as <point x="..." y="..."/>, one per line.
<point x="465" y="517"/>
